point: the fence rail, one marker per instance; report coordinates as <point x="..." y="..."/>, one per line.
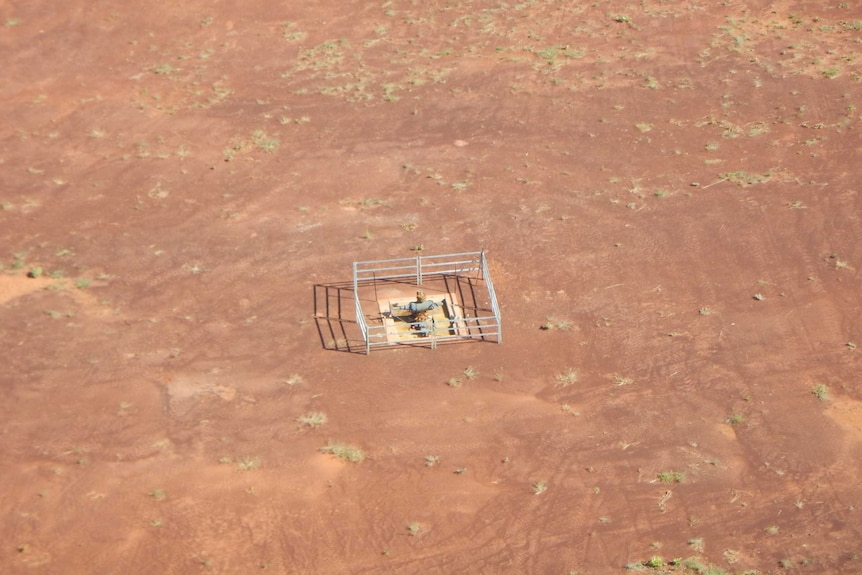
<point x="417" y="267"/>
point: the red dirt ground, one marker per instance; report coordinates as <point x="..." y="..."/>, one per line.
<point x="671" y="187"/>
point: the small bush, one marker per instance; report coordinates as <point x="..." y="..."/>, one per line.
<point x="821" y="392"/>
<point x="671" y="476"/>
<point x="292" y="379"/>
<point x="620" y="380"/>
<point x="312" y="419"/>
<point x="554" y="323"/>
<point x="248" y="463"/>
<point x="158" y="494"/>
<point x="567" y="378"/>
<point x="344" y="451"/>
<point x="735" y="418"/>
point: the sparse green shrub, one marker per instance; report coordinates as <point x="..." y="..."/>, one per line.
<point x="344" y="451"/>
<point x="540" y="487"/>
<point x="671" y="476"/>
<point x="268" y="144"/>
<point x="735" y="418"/>
<point x="554" y="323"/>
<point x="821" y="392"/>
<point x="248" y="463"/>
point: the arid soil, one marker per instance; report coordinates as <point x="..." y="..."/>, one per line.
<point x="668" y="195"/>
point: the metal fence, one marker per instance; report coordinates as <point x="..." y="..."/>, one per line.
<point x="465" y="274"/>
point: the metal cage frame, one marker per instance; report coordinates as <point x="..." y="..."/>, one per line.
<point x="467" y="272"/>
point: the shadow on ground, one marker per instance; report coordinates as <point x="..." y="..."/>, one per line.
<point x="335" y="316"/>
